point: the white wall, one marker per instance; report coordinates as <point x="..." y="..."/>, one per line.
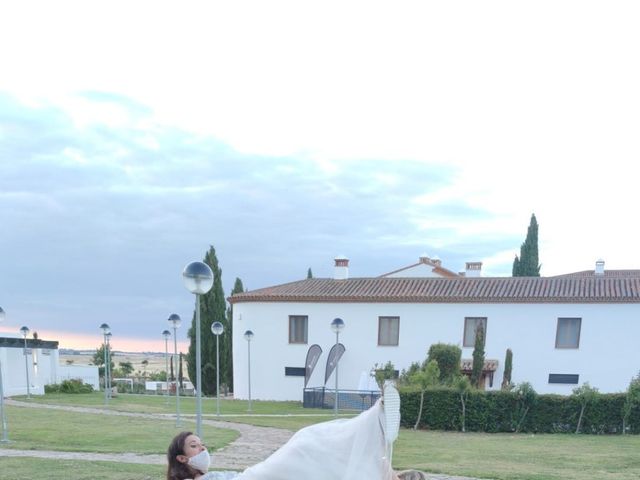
<point x="14" y="373"/>
<point x="607" y="357"/>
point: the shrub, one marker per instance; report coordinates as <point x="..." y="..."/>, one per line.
<point x="447" y="357"/>
<point x="73" y="385"/>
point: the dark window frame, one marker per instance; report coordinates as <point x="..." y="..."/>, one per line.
<point x="292" y="341"/>
<point x="564" y="378"/>
<point x="565" y="347"/>
<point x="380" y="344"/>
<point x="485" y="321"/>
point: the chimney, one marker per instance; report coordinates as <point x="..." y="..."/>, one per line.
<point x="599" y="267"/>
<point x="473" y="269"/>
<point x="341" y="269"/>
<point x="424" y="258"/>
<point x="436" y="261"/>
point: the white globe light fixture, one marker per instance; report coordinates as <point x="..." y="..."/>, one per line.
<point x="108" y="364"/>
<point x="25" y="331"/>
<point x="198" y="279"/>
<point x="248" y="336"/>
<point x="217" y="328"/>
<point x="105" y="330"/>
<point x="337" y="325"/>
<point x="166" y="334"/>
<point x="175" y="321"/>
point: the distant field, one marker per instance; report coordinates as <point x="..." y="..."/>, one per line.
<point x="156" y="360"/>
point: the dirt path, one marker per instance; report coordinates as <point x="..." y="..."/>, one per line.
<point x="252" y="446"/>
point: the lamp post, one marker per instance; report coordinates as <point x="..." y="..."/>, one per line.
<point x="3" y="419"/>
<point x="217" y="328"/>
<point x="25" y="331"/>
<point x="174" y="321"/>
<point x="337" y="325"/>
<point x="248" y="335"/>
<point x="105" y="329"/>
<point x="108" y="365"/>
<point x="166" y="334"/>
<point x="198" y="278"/>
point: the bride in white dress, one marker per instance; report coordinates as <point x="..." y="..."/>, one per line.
<point x="358" y="447"/>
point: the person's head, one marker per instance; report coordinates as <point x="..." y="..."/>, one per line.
<point x="187" y="457"/>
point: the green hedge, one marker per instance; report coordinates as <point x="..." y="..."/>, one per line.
<point x="498" y="411"/>
<point x="69" y="386"/>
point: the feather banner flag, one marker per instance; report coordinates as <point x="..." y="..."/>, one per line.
<point x="310" y="364"/>
<point x="332" y="360"/>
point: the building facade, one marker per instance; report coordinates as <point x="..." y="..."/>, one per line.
<point x="563" y="331"/>
<point x="42" y="366"/>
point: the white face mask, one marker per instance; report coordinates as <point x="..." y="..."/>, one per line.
<point x="200" y="461"/>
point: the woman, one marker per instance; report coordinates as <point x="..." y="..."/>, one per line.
<point x="339" y="449"/>
<point x="189" y="459"/>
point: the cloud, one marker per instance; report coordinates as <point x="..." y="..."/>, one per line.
<point x="99" y="223"/>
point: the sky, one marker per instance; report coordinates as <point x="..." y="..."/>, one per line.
<point x="134" y="135"/>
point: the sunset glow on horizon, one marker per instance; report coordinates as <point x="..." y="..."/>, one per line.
<point x="78" y="341"/>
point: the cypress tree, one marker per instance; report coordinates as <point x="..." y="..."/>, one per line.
<point x="478" y="357"/>
<point x="309" y="273"/>
<point x="212" y="309"/>
<point x="527" y="265"/>
<point x="508" y="365"/>
<point x="227" y="374"/>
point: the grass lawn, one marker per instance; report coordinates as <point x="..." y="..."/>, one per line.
<point x="47" y="469"/>
<point x="36" y="429"/>
<point x="520" y="457"/>
<point x="495" y="456"/>
<point x="159" y="404"/>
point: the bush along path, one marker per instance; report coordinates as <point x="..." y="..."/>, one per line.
<point x="252" y="446"/>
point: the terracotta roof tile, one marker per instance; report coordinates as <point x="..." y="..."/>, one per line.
<point x="562" y="289"/>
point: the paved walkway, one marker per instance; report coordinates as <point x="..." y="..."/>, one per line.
<point x="252" y="446"/>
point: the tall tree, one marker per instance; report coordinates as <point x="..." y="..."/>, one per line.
<point x="309" y="273"/>
<point x="527" y="264"/>
<point x="478" y="357"/>
<point x="98" y="359"/>
<point x="508" y="366"/>
<point x="238" y="287"/>
<point x="212" y="309"/>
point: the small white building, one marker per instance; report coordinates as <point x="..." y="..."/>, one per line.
<point x="42" y="364"/>
<point x="563" y="331"/>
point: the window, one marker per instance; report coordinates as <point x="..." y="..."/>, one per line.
<point x="298" y="328"/>
<point x="568" y="378"/>
<point x="388" y="330"/>
<point x="568" y="333"/>
<point x="471" y="325"/>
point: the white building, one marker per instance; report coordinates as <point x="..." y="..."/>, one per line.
<point x="563" y="330"/>
<point x="42" y="364"/>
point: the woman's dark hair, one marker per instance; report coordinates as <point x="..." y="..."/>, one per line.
<point x="178" y="470"/>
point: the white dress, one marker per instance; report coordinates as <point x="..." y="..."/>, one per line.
<point x="335" y="450"/>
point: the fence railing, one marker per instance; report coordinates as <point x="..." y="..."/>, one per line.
<point x="323" y="397"/>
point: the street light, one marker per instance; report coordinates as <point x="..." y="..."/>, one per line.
<point x="25" y="331"/>
<point x="198" y="278"/>
<point x="5" y="433"/>
<point x="175" y="321"/>
<point x="166" y="334"/>
<point x="108" y="365"/>
<point x="217" y="328"/>
<point x="105" y="329"/>
<point x="248" y="335"/>
<point x="337" y="325"/>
